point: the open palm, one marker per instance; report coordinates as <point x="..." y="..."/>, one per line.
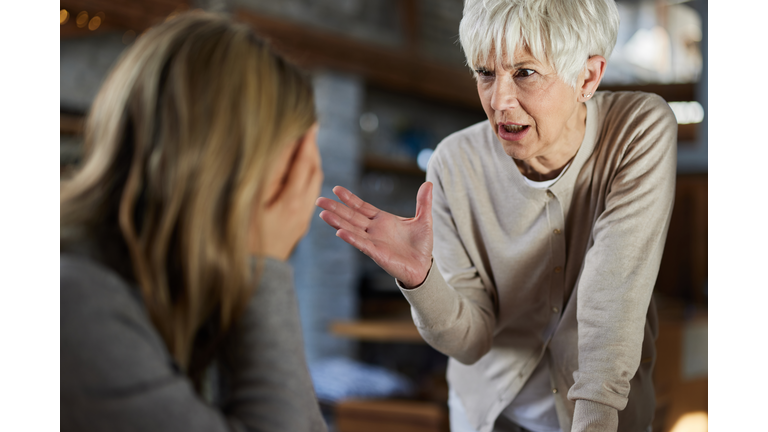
<point x="400" y="246"/>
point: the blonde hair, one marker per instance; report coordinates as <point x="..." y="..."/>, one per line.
<point x="561" y="33"/>
<point x="178" y="145"/>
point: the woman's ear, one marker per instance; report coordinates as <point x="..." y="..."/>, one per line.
<point x="591" y="77"/>
<point x="283" y="165"/>
<point x="279" y="172"/>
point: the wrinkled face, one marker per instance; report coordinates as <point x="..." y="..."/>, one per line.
<point x="532" y="111"/>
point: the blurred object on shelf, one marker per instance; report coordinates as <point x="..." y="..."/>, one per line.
<point x="687" y="112"/>
<point x="338" y="378"/>
<point x="391" y="415"/>
<point x="401" y="330"/>
<point x="369" y="122"/>
<point x="658" y="42"/>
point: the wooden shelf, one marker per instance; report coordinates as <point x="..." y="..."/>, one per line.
<point x="379" y="163"/>
<point x="384" y="330"/>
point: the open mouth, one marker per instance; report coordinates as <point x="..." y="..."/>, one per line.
<point x="513" y="132"/>
<point x="514" y="128"/>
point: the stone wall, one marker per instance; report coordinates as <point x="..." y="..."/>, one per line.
<point x="327" y="269"/>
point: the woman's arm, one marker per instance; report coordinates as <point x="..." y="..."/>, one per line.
<point x="620" y="269"/>
<point x="269" y="383"/>
<point x="452" y="308"/>
<point x="455" y="318"/>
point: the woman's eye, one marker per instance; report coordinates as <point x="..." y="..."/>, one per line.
<point x="523" y="73"/>
<point x="485" y="73"/>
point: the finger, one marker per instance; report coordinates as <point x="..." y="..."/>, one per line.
<point x="337" y="222"/>
<point x="355" y="218"/>
<point x="424" y="201"/>
<point x="355" y="203"/>
<point x="325" y="203"/>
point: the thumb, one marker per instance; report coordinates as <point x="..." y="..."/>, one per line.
<point x="424" y="202"/>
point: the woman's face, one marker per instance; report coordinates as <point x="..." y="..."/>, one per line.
<point x="532" y="111"/>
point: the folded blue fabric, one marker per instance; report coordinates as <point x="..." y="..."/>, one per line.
<point x="336" y="379"/>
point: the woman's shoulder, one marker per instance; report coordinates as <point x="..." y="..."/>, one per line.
<point x="107" y="339"/>
<point x="633" y="126"/>
<point x="83" y="278"/>
<point x="95" y="298"/>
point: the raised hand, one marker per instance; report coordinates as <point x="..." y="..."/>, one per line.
<point x="400" y="246"/>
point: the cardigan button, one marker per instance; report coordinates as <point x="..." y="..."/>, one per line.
<point x="558" y="269"/>
<point x="556" y="231"/>
<point x="550" y="194"/>
<point x="554" y="390"/>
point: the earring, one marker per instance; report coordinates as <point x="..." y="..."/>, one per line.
<point x="587" y="95"/>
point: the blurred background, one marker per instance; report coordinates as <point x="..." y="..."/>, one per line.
<point x="390" y="83"/>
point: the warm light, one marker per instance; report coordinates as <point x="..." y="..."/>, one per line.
<point x="692" y="422"/>
<point x="129" y="36"/>
<point x="687" y="112"/>
<point x="94" y="23"/>
<point x="63" y="17"/>
<point x="82" y="19"/>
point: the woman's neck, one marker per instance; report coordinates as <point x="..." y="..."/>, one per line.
<point x="543" y="168"/>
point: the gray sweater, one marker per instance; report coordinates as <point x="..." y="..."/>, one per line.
<point x="117" y="375"/>
<point x="521" y="273"/>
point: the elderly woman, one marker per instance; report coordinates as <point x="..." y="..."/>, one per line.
<point x="549" y="222"/>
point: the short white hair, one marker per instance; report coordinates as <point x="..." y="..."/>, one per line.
<point x="560" y="33"/>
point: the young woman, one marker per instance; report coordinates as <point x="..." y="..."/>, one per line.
<point x="200" y="174"/>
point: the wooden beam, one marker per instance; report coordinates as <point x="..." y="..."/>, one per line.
<point x="398" y="70"/>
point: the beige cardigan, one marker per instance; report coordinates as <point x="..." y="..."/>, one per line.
<point x="566" y="272"/>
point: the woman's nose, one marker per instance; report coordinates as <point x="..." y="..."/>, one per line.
<point x="504" y="96"/>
